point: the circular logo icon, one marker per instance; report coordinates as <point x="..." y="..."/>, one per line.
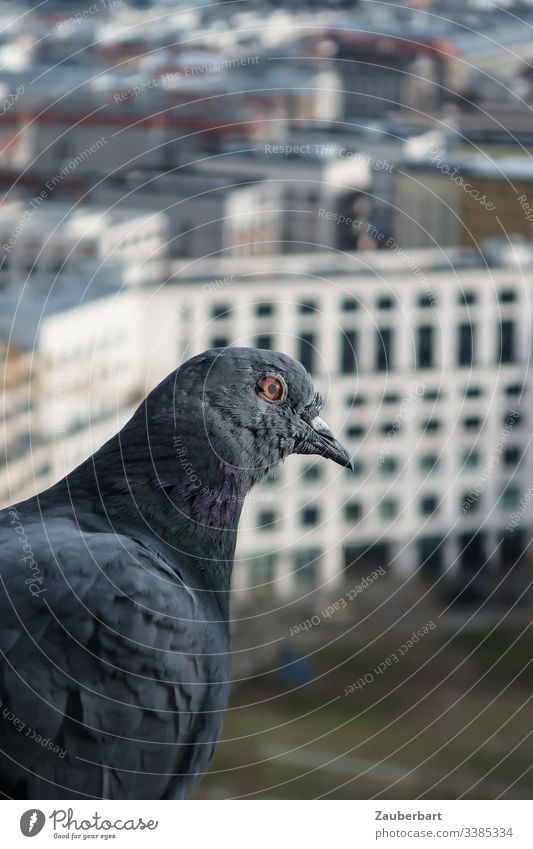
<point x="32" y="822"/>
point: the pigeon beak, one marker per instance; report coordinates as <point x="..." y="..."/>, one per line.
<point x="322" y="442"/>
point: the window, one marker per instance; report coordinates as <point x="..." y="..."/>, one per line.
<point x="429" y="505"/>
<point x="512" y="419"/>
<point x="467" y="298"/>
<point x="307" y="307"/>
<point x="385" y="302"/>
<point x="514" y="547"/>
<point x="353" y="511"/>
<point x="348" y="352"/>
<point x="510" y="498"/>
<point x="262" y="569"/>
<point x="515" y="389"/>
<point x="390" y="427"/>
<point x="432" y="395"/>
<point x="350" y="304"/>
<point x="264" y="309"/>
<point x="266" y="519"/>
<point x="220" y="342"/>
<point x="507" y="342"/>
<point x="391" y="398"/>
<point x="309" y="516"/>
<point x="306" y="354"/>
<point x="466" y="338"/>
<point x="355" y="400"/>
<point x="312" y="472"/>
<point x="470" y="501"/>
<point x="305" y="565"/>
<point x="264" y="340"/>
<point x="388" y="466"/>
<point x="430" y="555"/>
<point x="429" y="462"/>
<point x="470" y="459"/>
<point x="472" y="422"/>
<point x="425" y="346"/>
<point x="384" y="343"/>
<point x="512" y="455"/>
<point x="431" y="425"/>
<point x="388" y="508"/>
<point x="219" y="311"/>
<point x="425" y="302"/>
<point x="507" y="296"/>
<point x="473" y="392"/>
<point x="472" y="553"/>
<point x="355" y="431"/>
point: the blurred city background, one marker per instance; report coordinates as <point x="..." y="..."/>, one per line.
<point x="351" y="183"/>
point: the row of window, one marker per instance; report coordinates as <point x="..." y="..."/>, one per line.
<point x="475" y="551"/>
<point x="431" y="462"/>
<point x="426" y="347"/>
<point x="511" y="390"/>
<point x="307" y="344"/>
<point x="305" y="563"/>
<point x="431" y="425"/>
<point x="264" y="309"/>
<point x="389" y="508"/>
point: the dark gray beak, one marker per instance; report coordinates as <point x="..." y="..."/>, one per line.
<point x="320" y="440"/>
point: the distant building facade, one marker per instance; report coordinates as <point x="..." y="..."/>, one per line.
<point x="426" y="375"/>
<point x="443" y="200"/>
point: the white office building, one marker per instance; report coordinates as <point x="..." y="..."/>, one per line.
<point x="424" y="362"/>
<point x="423" y="358"/>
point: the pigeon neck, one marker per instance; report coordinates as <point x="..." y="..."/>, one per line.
<point x="192" y="509"/>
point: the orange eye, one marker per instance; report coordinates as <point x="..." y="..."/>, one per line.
<point x="271" y="388"/>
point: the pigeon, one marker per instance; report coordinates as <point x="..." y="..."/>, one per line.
<point x="115" y="582"/>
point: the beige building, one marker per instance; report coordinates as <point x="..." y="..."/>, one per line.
<point x="442" y="201"/>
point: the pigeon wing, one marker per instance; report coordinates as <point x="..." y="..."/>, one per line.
<point x="113" y="681"/>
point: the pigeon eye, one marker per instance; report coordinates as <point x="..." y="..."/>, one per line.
<point x="271" y="388"/>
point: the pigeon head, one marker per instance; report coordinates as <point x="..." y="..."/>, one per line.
<point x="184" y="463"/>
<point x="253" y="408"/>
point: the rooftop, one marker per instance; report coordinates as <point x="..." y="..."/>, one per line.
<point x="502" y="168"/>
<point x="326" y="264"/>
<point x="22" y="314"/>
<point x="78" y="222"/>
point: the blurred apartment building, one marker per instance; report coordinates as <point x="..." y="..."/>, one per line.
<point x="43" y="241"/>
<point x="70" y="379"/>
<point x="423" y="358"/>
<point x="309" y="178"/>
<point x="17" y="473"/>
<point x="387" y="70"/>
<point x="153" y="116"/>
<point x="205" y="214"/>
<point x="75" y="285"/>
<point x="246" y="201"/>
